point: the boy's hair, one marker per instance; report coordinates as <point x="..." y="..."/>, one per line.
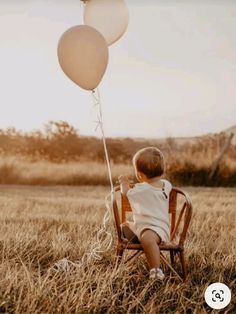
<point x="149" y="161"/>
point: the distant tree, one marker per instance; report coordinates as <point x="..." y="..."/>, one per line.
<point x="11" y="132"/>
<point x="63" y="142"/>
<point x="60" y="129"/>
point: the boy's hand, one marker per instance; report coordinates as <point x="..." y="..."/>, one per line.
<point x="124" y="184"/>
<point x="123" y="179"/>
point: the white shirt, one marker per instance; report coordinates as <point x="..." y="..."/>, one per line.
<point x="150" y="207"/>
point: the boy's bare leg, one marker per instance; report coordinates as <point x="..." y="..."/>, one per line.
<point x="128" y="233"/>
<point x="150" y="240"/>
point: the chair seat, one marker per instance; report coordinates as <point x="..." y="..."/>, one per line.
<point x="165" y="246"/>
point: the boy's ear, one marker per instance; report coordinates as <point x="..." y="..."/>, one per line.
<point x="140" y="175"/>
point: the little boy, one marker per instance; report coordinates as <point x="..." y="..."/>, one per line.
<point x="149" y="200"/>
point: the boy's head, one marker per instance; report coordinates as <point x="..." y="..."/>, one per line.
<point x="149" y="161"/>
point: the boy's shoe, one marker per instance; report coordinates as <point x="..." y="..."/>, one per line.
<point x="156" y="273"/>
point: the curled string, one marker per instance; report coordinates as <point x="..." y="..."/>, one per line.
<point x="104" y="238"/>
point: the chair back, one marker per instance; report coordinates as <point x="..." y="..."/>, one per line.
<point x="180" y="210"/>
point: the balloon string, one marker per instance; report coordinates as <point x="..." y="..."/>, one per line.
<point x="102" y="244"/>
<point x="97" y="102"/>
<point x="104" y="238"/>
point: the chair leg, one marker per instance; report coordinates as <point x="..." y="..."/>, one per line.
<point x="183" y="264"/>
<point x="119" y="254"/>
<point x="172" y="257"/>
<point x="169" y="265"/>
<point x="136" y="254"/>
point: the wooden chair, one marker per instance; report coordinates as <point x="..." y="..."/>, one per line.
<point x="180" y="210"/>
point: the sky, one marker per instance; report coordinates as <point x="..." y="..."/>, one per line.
<point x="173" y="73"/>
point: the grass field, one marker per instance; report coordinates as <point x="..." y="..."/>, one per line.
<point x="41" y="225"/>
<point x="22" y="171"/>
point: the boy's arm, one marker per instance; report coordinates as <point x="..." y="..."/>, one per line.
<point x="124" y="184"/>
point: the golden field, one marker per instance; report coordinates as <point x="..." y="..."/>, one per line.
<point x="60" y="155"/>
<point x="25" y="172"/>
<point x="16" y="170"/>
<point x="41" y="225"/>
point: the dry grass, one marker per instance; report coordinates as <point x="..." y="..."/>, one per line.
<point x="22" y="171"/>
<point x="59" y="155"/>
<point x="40" y="225"/>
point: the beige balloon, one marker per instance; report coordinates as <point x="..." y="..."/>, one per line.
<point x="109" y="17"/>
<point x="83" y="55"/>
